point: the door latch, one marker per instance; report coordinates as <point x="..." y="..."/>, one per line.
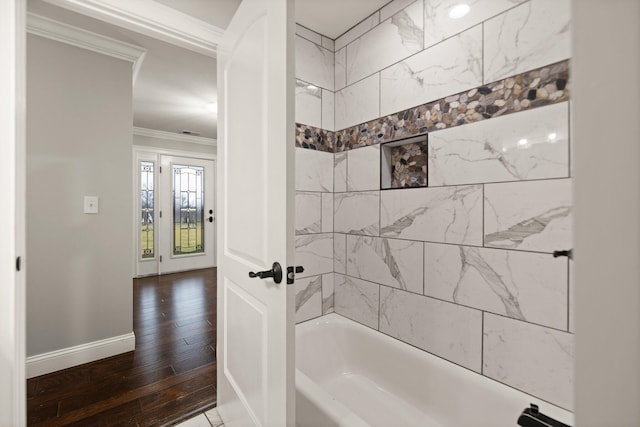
<point x="275" y="272"/>
<point x="291" y="273"/>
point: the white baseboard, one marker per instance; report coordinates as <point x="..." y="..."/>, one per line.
<point x="72" y="356"/>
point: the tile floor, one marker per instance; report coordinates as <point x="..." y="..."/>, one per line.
<point x="209" y="418"/>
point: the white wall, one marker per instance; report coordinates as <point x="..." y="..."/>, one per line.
<point x="79" y="129"/>
<point x="606" y="67"/>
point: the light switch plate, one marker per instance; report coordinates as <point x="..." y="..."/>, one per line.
<point x="91" y="204"/>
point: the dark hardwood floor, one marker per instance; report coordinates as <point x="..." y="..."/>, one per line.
<point x="170" y="375"/>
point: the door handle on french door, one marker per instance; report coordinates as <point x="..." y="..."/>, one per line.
<point x="210" y="219"/>
<point x="275" y="272"/>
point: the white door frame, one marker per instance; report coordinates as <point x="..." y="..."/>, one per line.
<point x="12" y="216"/>
<point x="142" y="152"/>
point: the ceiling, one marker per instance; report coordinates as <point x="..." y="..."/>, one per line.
<point x="175" y="85"/>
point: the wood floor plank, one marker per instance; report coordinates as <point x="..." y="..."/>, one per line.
<point x="170" y="375"/>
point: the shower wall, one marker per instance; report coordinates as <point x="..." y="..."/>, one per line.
<point x="314" y="174"/>
<point x="463" y="267"/>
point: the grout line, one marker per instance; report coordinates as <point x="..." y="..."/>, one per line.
<point x="424" y="268"/>
<point x="470" y="184"/>
<point x="569" y="142"/>
<point x="482" y="45"/>
<point x="569" y="290"/>
<point x="482" y="345"/>
<point x="483" y="214"/>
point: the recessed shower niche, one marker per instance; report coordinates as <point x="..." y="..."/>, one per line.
<point x="403" y="163"/>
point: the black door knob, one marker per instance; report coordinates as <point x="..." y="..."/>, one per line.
<point x="275" y="272"/>
<point x="210" y="219"/>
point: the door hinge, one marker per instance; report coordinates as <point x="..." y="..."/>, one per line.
<point x="160" y="169"/>
<point x="160" y="258"/>
<point x="291" y="274"/>
<point x="160" y="214"/>
<point x="18" y="263"/>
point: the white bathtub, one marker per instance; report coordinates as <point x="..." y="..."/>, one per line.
<point x="350" y="375"/>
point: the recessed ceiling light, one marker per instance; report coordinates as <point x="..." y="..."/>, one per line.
<point x="212" y="107"/>
<point x="459" y="11"/>
<point x="522" y="142"/>
<point x="553" y="136"/>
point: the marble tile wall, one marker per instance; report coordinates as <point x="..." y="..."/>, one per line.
<point x="462" y="268"/>
<point x="315" y="73"/>
<point x="398" y="37"/>
<point x="314" y="241"/>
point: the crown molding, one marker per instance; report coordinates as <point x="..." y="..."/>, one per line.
<point x="64" y="33"/>
<point x="152" y="19"/>
<point x="159" y="134"/>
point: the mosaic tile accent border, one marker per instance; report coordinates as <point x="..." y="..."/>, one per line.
<point x="314" y="138"/>
<point x="535" y="88"/>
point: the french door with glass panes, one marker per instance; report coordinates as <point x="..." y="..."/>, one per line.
<point x="186" y="220"/>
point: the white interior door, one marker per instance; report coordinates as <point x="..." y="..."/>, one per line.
<point x="12" y="194"/>
<point x="255" y="178"/>
<point x="187" y="214"/>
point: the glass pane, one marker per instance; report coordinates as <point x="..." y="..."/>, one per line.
<point x="146" y="210"/>
<point x="188" y="212"/>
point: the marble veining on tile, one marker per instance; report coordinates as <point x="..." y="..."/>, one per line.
<point x="394" y="7"/>
<point x="358" y="300"/>
<point x="314" y="64"/>
<point x="308" y="213"/>
<point x="439" y="25"/>
<point x="340" y="253"/>
<point x="363" y="169"/>
<point x="328" y="43"/>
<point x="358" y="102"/>
<point x="358" y="30"/>
<point x="315" y="253"/>
<point x="328" y="287"/>
<point x="444" y="214"/>
<point x="327" y="212"/>
<point x="531" y="358"/>
<point x="528" y="145"/>
<point x="340" y="172"/>
<point x="341" y="69"/>
<point x="214" y="417"/>
<point x="357" y="213"/>
<point x="444" y="329"/>
<point x="525" y="91"/>
<point x="449" y="67"/>
<point x="314" y="170"/>
<point x="531" y="215"/>
<point x="393" y="40"/>
<point x="308" y="104"/>
<point x="328" y="110"/>
<point x="308" y="298"/>
<point x="308" y="34"/>
<point x="528" y="36"/>
<point x="392" y="262"/>
<point x="522" y="285"/>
